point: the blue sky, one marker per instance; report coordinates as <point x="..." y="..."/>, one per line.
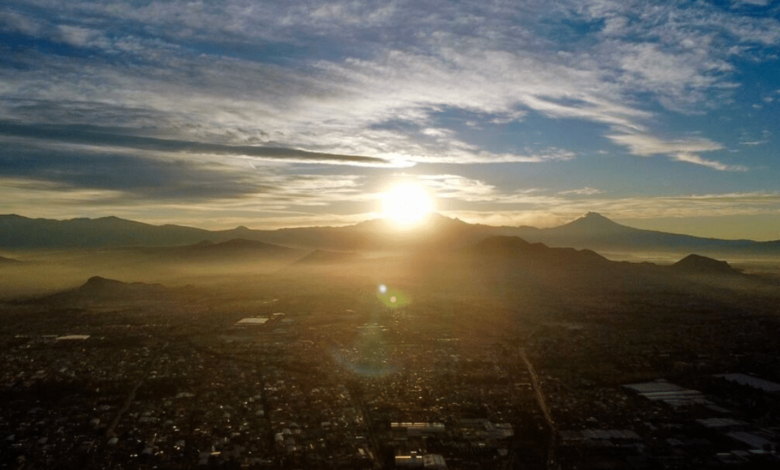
<point x="268" y="114"/>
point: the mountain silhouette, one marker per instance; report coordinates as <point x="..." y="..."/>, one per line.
<point x="326" y="258"/>
<point x="237" y="247"/>
<point x="596" y="232"/>
<point x="515" y="249"/>
<point x="99" y="289"/>
<point x="100" y="286"/>
<point x="20" y="232"/>
<point x="697" y="264"/>
<point x="236" y="250"/>
<point x="594" y="223"/>
<point x="592" y="231"/>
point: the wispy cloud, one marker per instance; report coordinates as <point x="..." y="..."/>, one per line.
<point x="581" y="192"/>
<point x="760" y="3"/>
<point x="750" y="138"/>
<point x="470" y="190"/>
<point x="687" y="206"/>
<point x="474" y="57"/>
<point x="684" y="150"/>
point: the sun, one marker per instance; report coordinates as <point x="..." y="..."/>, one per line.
<point x="407" y="204"/>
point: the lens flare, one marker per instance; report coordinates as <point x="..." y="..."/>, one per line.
<point x="369" y="355"/>
<point x="392" y="297"/>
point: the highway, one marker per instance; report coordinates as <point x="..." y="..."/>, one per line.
<point x="552" y="462"/>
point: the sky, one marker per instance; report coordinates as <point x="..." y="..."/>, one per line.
<point x="661" y="115"/>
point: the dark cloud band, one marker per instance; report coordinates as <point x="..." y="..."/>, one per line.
<point x="112" y="137"/>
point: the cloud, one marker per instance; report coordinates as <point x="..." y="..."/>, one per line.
<point x="54" y="200"/>
<point x="459" y="187"/>
<point x="684" y="206"/>
<point x="693" y="205"/>
<point x="683" y="150"/>
<point x="108" y="137"/>
<point x="470" y="190"/>
<point x="22" y="195"/>
<point x="126" y="175"/>
<point x="80" y="37"/>
<point x="587" y="191"/>
<point x="681" y="79"/>
<point x="697" y="160"/>
<point x="119" y="179"/>
<point x="548" y="207"/>
<point x="197" y="68"/>
<point x="13" y="21"/>
<point x="533" y="218"/>
<point x="761" y="3"/>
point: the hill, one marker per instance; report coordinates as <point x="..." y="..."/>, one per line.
<point x="101" y="289"/>
<point x="696" y="264"/>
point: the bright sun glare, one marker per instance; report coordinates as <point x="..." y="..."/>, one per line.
<point x="406" y="204"/>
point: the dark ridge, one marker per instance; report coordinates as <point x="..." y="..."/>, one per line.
<point x="515" y="248"/>
<point x="242" y="243"/>
<point x="105" y="232"/>
<point x="500" y="246"/>
<point x="96" y="282"/>
<point x="319" y="257"/>
<point x="697" y="264"/>
<point x="237" y="249"/>
<point x="101" y="289"/>
<point x="97" y="285"/>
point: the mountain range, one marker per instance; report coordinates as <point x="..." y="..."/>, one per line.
<point x="596" y="232"/>
<point x="498" y="263"/>
<point x="445" y="255"/>
<point x="591" y="231"/>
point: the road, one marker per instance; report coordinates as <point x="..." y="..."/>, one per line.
<point x="552" y="461"/>
<point x="357" y="397"/>
<point x="131" y="396"/>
